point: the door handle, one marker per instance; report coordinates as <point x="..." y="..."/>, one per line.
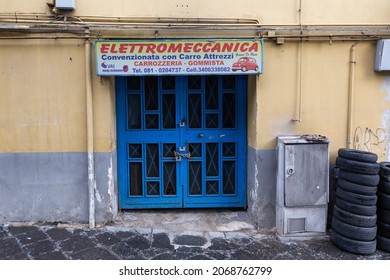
<point x="201" y="135"/>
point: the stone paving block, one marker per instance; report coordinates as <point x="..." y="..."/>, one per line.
<point x="107" y="238"/>
<point x="38" y="248"/>
<point x="222" y="244"/>
<point x="152" y="252"/>
<point x="54" y="255"/>
<point x="161" y="240"/>
<point x="126" y="252"/>
<point x="15" y="230"/>
<point x="255" y="248"/>
<point x="31" y="237"/>
<point x="199" y="257"/>
<point x="8" y="247"/>
<point x="165" y="256"/>
<point x="189" y="250"/>
<point x="95" y="253"/>
<point x="20" y="256"/>
<point x="123" y="235"/>
<point x="189" y="240"/>
<point x="217" y="255"/>
<point x="243" y="255"/>
<point x="138" y="242"/>
<point x="76" y="243"/>
<point x="58" y="234"/>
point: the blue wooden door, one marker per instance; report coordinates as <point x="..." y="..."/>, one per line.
<point x="181" y="141"/>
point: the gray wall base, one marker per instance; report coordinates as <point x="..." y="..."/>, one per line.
<point x="53" y="187"/>
<point x="261" y="184"/>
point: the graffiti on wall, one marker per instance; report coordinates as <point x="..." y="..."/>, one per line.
<point x="371" y="140"/>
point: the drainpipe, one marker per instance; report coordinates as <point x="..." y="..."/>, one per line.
<point x="90" y="145"/>
<point x="298" y="101"/>
<point x="351" y="89"/>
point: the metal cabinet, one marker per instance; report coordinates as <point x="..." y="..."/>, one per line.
<point x="302" y="191"/>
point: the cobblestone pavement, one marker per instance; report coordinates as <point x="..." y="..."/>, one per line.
<point x="60" y="242"/>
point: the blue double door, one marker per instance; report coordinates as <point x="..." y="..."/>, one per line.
<point x="181" y="141"/>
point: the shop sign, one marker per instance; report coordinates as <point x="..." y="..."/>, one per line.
<point x="179" y="57"/>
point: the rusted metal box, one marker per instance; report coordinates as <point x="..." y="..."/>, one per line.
<point x="302" y="189"/>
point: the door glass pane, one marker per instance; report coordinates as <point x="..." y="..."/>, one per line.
<point x="151" y="93"/>
<point x="211" y="120"/>
<point x="194" y="82"/>
<point x="169" y="150"/>
<point x="212" y="187"/>
<point x="153" y="188"/>
<point x="151" y="121"/>
<point x="195" y="149"/>
<point x="169" y="178"/>
<point x="228" y="82"/>
<point x="152" y="160"/>
<point x="169" y="111"/>
<point x="195" y="178"/>
<point x="168" y="82"/>
<point x="194" y="111"/>
<point x="229" y="110"/>
<point x="133" y="83"/>
<point x="212" y="159"/>
<point x="134" y="111"/>
<point x="135" y="171"/>
<point x="229" y="149"/>
<point x="135" y="150"/>
<point x="212" y="92"/>
<point x="229" y="177"/>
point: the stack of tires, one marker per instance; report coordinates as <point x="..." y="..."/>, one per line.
<point x="383" y="223"/>
<point x="354" y="218"/>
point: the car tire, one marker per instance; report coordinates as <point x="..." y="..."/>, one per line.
<point x="354" y="219"/>
<point x="383" y="200"/>
<point x="356" y="188"/>
<point x="383" y="243"/>
<point x="353" y="246"/>
<point x="383" y="215"/>
<point x="384" y="171"/>
<point x="358" y="178"/>
<point x="357" y="166"/>
<point x="367" y="210"/>
<point x="356" y="198"/>
<point x="354" y="232"/>
<point x="244" y="69"/>
<point x="383" y="229"/>
<point x="357" y="155"/>
<point x="384" y="187"/>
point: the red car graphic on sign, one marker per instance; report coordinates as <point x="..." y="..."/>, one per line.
<point x="244" y="64"/>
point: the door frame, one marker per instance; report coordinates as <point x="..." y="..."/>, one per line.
<point x="120" y="84"/>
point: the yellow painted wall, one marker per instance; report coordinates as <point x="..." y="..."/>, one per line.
<point x="43" y="98"/>
<point x="324" y="85"/>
